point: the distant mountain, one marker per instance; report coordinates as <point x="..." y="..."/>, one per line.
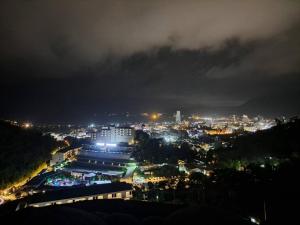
<point x="273" y="105"/>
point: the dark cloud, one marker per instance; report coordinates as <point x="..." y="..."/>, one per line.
<point x="87" y="31"/>
<point x="94" y="56"/>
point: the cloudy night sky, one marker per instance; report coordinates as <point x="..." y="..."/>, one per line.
<point x="75" y="60"/>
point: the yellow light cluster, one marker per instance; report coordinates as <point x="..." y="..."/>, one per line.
<point x="218" y="132"/>
<point x="155" y="116"/>
<point x="23" y="181"/>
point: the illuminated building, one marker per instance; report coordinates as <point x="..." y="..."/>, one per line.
<point x="113" y="135"/>
<point x="218" y="131"/>
<point x="178" y="117"/>
<point x="71" y="195"/>
<point x="245" y="119"/>
<point x="250" y="128"/>
<point x="64" y="154"/>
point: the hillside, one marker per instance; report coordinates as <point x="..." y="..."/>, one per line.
<point x="278" y="143"/>
<point x="21" y="152"/>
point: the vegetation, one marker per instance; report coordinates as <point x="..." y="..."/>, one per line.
<point x="166" y="171"/>
<point x="21" y="152"/>
<point x="255" y="176"/>
<point x="271" y="146"/>
<point x="158" y="151"/>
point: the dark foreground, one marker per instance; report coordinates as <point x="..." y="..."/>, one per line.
<point x="114" y="212"/>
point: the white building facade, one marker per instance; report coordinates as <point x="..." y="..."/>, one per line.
<point x="114" y="135"/>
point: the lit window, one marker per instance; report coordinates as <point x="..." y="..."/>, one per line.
<point x="119" y="195"/>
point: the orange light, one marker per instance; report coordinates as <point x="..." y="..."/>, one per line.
<point x="67" y="143"/>
<point x="26" y="125"/>
<point x="155" y="116"/>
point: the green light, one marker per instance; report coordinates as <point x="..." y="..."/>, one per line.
<point x="132" y="165"/>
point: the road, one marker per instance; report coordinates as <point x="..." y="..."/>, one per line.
<point x="8" y="195"/>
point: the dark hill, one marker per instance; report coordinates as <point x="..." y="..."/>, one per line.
<point x="281" y="142"/>
<point x="21" y="152"/>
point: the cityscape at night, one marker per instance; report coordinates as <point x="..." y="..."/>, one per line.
<point x="149" y="112"/>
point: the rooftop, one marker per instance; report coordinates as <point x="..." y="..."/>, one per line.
<point x="64" y="150"/>
<point x="75" y="192"/>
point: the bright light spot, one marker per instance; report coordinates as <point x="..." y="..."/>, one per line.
<point x="155" y="116"/>
<point x="67" y="143"/>
<point x="27" y="125"/>
<point x="107" y="145"/>
<point x="169" y="139"/>
<point x="254" y="220"/>
<point x="111" y="145"/>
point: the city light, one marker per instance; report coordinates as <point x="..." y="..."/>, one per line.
<point x="169" y="138"/>
<point x="27" y="125"/>
<point x="111" y="145"/>
<point x="254" y="220"/>
<point x="154" y="116"/>
<point x="106" y="144"/>
<point x="189" y="109"/>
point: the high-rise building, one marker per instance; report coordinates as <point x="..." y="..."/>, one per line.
<point x="245" y="119"/>
<point x="113" y="135"/>
<point x="178" y="117"/>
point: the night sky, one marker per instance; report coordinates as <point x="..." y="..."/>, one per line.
<point x="75" y="60"/>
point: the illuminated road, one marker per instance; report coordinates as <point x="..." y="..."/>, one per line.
<point x="7" y="196"/>
<point x="129" y="171"/>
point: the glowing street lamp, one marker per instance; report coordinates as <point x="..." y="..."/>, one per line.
<point x="26" y="125"/>
<point x="154" y="116"/>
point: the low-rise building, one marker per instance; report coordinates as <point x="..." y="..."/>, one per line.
<point x="76" y="194"/>
<point x="64" y="154"/>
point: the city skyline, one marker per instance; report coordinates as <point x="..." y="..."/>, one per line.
<point x="149" y="112"/>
